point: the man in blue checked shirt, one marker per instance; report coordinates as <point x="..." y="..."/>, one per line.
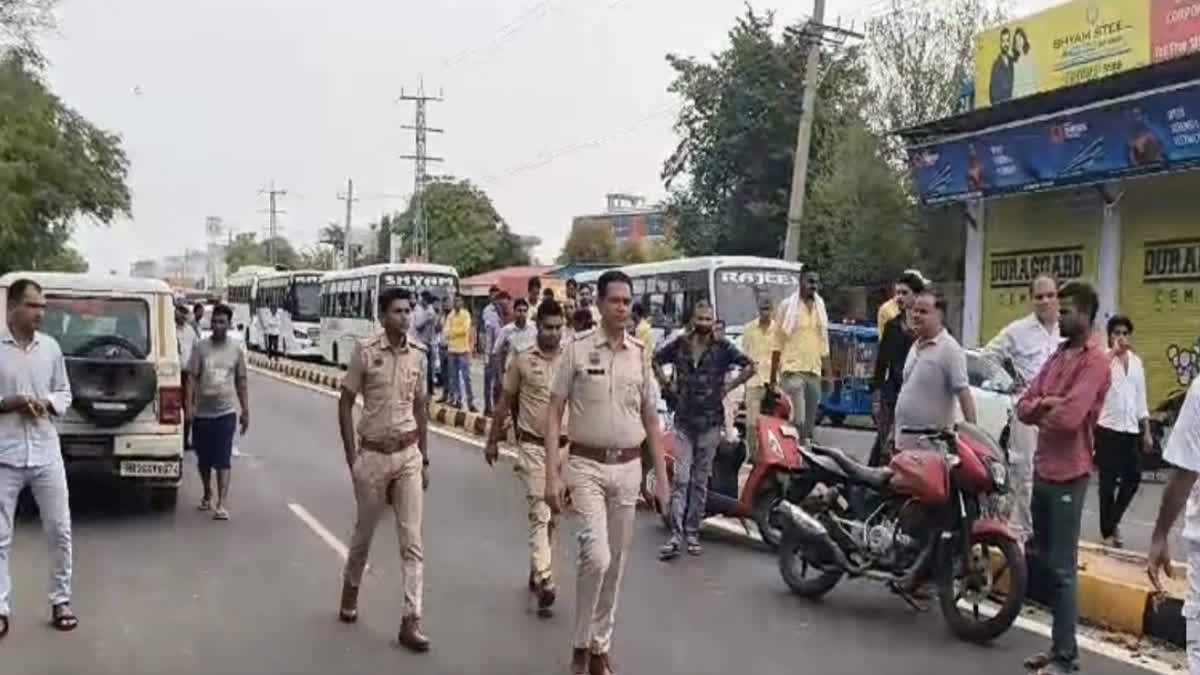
<point x="33" y="391"/>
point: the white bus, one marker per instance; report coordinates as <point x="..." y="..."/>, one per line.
<point x="296" y="294"/>
<point x="733" y="284"/>
<point x="349" y="300"/>
<point x="240" y="290"/>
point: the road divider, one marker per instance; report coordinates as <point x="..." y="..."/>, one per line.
<point x="1113" y="590"/>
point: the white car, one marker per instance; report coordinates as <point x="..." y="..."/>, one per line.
<point x="994" y="391"/>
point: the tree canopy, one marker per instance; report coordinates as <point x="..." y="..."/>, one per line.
<point x="246" y="249"/>
<point x="730" y="174"/>
<point x="465" y="230"/>
<point x="55" y="166"/>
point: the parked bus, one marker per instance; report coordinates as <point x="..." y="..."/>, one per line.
<point x="296" y="294"/>
<point x="349" y="300"/>
<point x="240" y="289"/>
<point x="733" y="284"/>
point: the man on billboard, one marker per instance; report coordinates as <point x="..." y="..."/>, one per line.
<point x="1000" y="88"/>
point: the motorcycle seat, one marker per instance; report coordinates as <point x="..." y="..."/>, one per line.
<point x="860" y="473"/>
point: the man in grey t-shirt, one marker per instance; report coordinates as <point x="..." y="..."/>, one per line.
<point x="215" y="390"/>
<point x="935" y="372"/>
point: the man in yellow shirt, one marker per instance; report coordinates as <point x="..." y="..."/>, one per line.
<point x="757" y="343"/>
<point x="458" y="347"/>
<point x="801" y="344"/>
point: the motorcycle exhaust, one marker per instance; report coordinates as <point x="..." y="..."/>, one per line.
<point x="812" y="533"/>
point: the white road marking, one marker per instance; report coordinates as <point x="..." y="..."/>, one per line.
<point x="323" y="532"/>
<point x="738" y="529"/>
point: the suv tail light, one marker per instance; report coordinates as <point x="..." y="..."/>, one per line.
<point x="170" y="405"/>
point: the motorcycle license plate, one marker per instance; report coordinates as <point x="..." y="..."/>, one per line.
<point x="145" y="469"/>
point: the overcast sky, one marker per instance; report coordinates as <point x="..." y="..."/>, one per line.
<point x="548" y="104"/>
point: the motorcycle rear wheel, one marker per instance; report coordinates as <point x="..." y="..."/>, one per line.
<point x="976" y="626"/>
<point x="802" y="577"/>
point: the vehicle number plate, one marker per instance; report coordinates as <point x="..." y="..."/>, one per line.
<point x="150" y="469"/>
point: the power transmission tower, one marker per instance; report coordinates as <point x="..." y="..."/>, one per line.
<point x="349" y="198"/>
<point x="273" y="232"/>
<point x="420" y="156"/>
<point x="813" y="33"/>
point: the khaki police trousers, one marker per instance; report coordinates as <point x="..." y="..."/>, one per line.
<point x="372" y="473"/>
<point x="531" y="459"/>
<point x="604" y="497"/>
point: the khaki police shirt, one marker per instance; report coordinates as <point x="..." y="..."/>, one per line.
<point x="605" y="390"/>
<point x="528" y="377"/>
<point x="389" y="380"/>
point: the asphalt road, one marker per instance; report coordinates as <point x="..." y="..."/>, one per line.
<point x="184" y="594"/>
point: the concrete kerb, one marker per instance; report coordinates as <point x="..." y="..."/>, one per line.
<point x="1128" y="605"/>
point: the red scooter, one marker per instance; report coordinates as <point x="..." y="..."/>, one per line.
<point x="935" y="513"/>
<point x="767" y="483"/>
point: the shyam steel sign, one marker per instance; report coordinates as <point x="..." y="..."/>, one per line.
<point x="1009" y="269"/>
<point x="1172" y="260"/>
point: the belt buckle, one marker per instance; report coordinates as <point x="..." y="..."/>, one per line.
<point x="611" y="455"/>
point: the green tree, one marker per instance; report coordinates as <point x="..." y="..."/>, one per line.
<point x="55" y="166"/>
<point x="67" y="259"/>
<point x="22" y="21"/>
<point x="589" y="242"/>
<point x="465" y="230"/>
<point x="731" y="172"/>
<point x="635" y="251"/>
<point x="318" y="257"/>
<point x="245" y="249"/>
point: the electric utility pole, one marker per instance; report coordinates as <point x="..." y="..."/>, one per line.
<point x="273" y="233"/>
<point x="420" y="156"/>
<point x="349" y="198"/>
<point x="814" y="33"/>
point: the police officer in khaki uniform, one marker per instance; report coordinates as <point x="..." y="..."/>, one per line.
<point x="527" y="380"/>
<point x="604" y="379"/>
<point x="389" y="460"/>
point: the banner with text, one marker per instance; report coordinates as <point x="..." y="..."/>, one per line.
<point x="1080" y="41"/>
<point x="1156" y="133"/>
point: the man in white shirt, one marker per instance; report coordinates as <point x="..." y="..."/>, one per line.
<point x="271" y="326"/>
<point x="1027" y="344"/>
<point x="186" y="338"/>
<point x="1122" y="432"/>
<point x="1183" y="451"/>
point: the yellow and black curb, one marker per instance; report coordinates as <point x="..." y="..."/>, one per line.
<point x="444" y="415"/>
<point x="1113" y="589"/>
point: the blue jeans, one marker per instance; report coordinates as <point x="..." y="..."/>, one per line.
<point x="1057" y="511"/>
<point x="489" y="384"/>
<point x="694" y="454"/>
<point x="459" y="367"/>
<point x="49" y="486"/>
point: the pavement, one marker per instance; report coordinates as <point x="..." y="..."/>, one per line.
<point x="180" y="593"/>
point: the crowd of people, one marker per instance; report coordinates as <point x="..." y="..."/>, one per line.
<point x="583" y="395"/>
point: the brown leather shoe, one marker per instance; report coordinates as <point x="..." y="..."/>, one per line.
<point x="600" y="664"/>
<point x="348" y="610"/>
<point x="579" y="661"/>
<point x="411" y="635"/>
<point x="546" y="594"/>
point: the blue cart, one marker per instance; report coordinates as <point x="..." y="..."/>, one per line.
<point x="846" y="391"/>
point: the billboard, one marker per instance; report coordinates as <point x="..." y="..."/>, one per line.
<point x="1155" y="133"/>
<point x="1080" y="41"/>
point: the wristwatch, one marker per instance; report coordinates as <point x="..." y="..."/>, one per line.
<point x="424" y="461"/>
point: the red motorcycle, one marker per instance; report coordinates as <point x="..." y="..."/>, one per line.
<point x="933" y="514"/>
<point x="767" y="483"/>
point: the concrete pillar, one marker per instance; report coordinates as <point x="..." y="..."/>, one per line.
<point x="973" y="272"/>
<point x="1108" y="263"/>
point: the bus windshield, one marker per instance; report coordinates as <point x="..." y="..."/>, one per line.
<point x="308" y="301"/>
<point x="442" y="286"/>
<point x="738" y="290"/>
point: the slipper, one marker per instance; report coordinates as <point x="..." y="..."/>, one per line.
<point x="3" y="626"/>
<point x="220" y="514"/>
<point x="205" y="505"/>
<point x="63" y="619"/>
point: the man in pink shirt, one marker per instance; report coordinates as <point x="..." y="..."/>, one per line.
<point x="1064" y="403"/>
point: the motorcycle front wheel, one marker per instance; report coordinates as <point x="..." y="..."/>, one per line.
<point x="966" y="588"/>
<point x="801" y="576"/>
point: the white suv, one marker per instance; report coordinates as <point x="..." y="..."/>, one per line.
<point x="118" y="338"/>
